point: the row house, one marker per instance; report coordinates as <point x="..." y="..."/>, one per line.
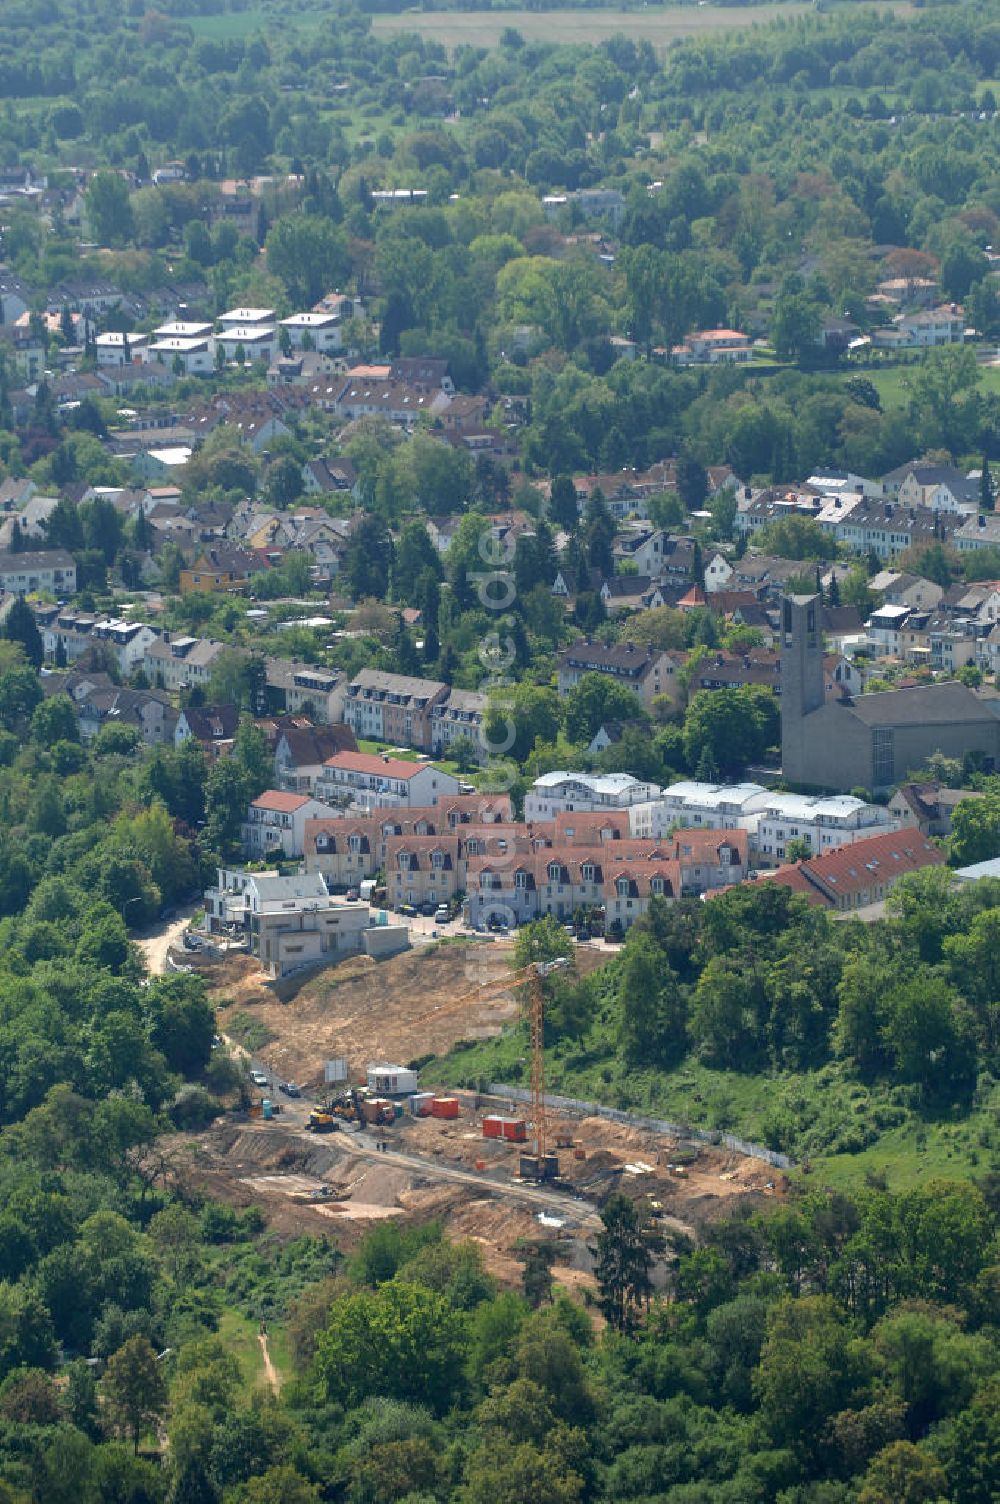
<point x="396" y="708"/>
<point x="275" y="824"/>
<point x="295" y="688"/>
<point x="459" y="714"/>
<point x="349" y="849"/>
<point x="561" y="882"/>
<point x="364" y="398"/>
<point x="370" y="781"/>
<point x="980" y="531"/>
<point x="24" y="573"/>
<point x="423" y="869"/>
<point x="886" y="529"/>
<point x="181" y="662"/>
<point x="825" y="822"/>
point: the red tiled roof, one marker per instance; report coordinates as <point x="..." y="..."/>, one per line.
<point x="371" y="762"/>
<point x="848" y="871"/>
<point x="282" y="804"/>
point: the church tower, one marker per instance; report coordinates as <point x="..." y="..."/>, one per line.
<point x="801" y="680"/>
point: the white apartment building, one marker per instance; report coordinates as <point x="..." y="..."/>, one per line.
<point x="256" y="341"/>
<point x="825" y="823"/>
<point x="770" y="819"/>
<point x="714" y="806"/>
<point x="276" y="823"/>
<point x="195" y="355"/>
<point x="367" y="780"/>
<point x="554" y="793"/>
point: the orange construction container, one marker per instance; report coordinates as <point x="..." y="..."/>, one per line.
<point x="444" y="1107"/>
<point x="493" y="1127"/>
<point x="515" y="1129"/>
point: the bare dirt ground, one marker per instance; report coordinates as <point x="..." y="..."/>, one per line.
<point x="365" y="1010"/>
<point x="411" y="1005"/>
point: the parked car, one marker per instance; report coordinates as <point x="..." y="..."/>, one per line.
<point x="428" y="910"/>
<point x="351" y="895"/>
<point x="191" y="941"/>
<point x="290" y="1089"/>
<point x="442" y="914"/>
<point x="259" y="1079"/>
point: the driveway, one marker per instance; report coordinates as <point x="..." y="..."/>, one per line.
<point x="155" y="943"/>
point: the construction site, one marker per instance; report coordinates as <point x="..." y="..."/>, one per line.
<point x="366" y="1140"/>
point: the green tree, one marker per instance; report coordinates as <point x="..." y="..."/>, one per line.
<point x="108" y="209"/>
<point x="975" y="830"/>
<point x="595" y="699"/>
<point x="135" y="1394"/>
<point x="309" y="254"/>
<point x="623" y="1261"/>
<point x="20" y="626"/>
<point x="652" y="1004"/>
<point x="54" y="720"/>
<point x="397" y="1342"/>
<point x="903" y="1474"/>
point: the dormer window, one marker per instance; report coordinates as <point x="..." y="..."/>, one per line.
<point x="656" y="886"/>
<point x="555" y="872"/>
<point x="589" y="872"/>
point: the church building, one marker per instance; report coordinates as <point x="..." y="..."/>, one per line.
<point x="874" y="741"/>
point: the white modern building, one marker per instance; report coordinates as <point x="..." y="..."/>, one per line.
<point x="770" y="819"/>
<point x="554" y="793"/>
<point x="714" y="806"/>
<point x="193" y="353"/>
<point x="322" y="329"/>
<point x="289" y="922"/>
<point x="825" y="823"/>
<point x="251" y="341"/>
<point x="115" y="349"/>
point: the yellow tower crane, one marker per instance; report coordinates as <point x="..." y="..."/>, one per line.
<point x="541" y="1165"/>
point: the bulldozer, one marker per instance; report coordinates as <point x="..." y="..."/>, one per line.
<point x="321" y="1121"/>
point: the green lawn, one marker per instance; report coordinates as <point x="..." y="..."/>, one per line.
<point x="239" y="1334"/>
<point x="891" y="383"/>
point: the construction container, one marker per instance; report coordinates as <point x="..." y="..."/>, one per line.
<point x="397" y="1110"/>
<point x="391" y="1080"/>
<point x="378" y="1110"/>
<point x="444" y="1107"/>
<point x="266" y="1110"/>
<point x="516" y="1130"/>
<point x="492" y="1127"/>
<point x="420" y="1104"/>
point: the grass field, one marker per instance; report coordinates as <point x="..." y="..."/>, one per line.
<point x="660" y="25"/>
<point x="892" y="383"/>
